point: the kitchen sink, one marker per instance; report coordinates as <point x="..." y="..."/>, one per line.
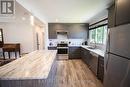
<point x="89" y="47"/>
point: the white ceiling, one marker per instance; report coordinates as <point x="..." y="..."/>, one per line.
<point x="65" y="10"/>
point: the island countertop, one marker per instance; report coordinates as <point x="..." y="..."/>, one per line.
<point x="35" y="65"/>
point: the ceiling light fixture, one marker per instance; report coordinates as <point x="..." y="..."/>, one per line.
<point x="32" y="20"/>
<point x="57" y="20"/>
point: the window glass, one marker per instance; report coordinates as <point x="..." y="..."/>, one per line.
<point x="98" y="35"/>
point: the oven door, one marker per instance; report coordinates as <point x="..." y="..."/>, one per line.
<point x="62" y="53"/>
<point x="62" y="50"/>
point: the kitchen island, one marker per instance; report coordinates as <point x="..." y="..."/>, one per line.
<point x="35" y="69"/>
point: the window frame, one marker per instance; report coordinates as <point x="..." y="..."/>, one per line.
<point x="96" y="27"/>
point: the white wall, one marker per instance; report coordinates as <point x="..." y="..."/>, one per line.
<point x="101" y="15"/>
<point x="13" y="33"/>
<point x="19" y="29"/>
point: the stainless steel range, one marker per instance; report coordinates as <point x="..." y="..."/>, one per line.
<point x="62" y="49"/>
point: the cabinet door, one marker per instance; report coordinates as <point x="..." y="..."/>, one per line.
<point x="87" y="57"/>
<point x="111" y="16"/>
<point x="52" y="31"/>
<point x="74" y="53"/>
<point x="100" y="71"/>
<point x="123" y="12"/>
<point x="82" y="54"/>
<point x="85" y="54"/>
<point x="93" y="63"/>
<point x="77" y="31"/>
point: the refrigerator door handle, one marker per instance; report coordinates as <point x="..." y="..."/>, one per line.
<point x="107" y="50"/>
<point x="106" y="60"/>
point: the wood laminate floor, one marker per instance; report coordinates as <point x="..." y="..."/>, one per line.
<point x="75" y="73"/>
<point x="69" y="73"/>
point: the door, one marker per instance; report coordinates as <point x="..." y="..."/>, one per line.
<point x="39" y="38"/>
<point x="119" y="40"/>
<point x="37" y="41"/>
<point x="116" y="71"/>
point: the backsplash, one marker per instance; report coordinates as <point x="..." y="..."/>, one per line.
<point x="71" y="42"/>
<point x="101" y="47"/>
<point x="74" y="42"/>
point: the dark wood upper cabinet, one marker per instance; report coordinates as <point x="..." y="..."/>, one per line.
<point x="1" y="38"/>
<point x="122" y="12"/>
<point x="75" y="30"/>
<point x="111" y="16"/>
<point x="119" y="13"/>
<point x="52" y="31"/>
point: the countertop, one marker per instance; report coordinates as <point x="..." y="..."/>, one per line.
<point x="97" y="51"/>
<point x="35" y="65"/>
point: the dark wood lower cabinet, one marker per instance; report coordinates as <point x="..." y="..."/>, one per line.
<point x="100" y="72"/>
<point x="74" y="52"/>
<point x="95" y="63"/>
<point x="52" y="48"/>
<point x="90" y="60"/>
<point x="85" y="54"/>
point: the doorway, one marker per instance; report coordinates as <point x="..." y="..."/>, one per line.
<point x="37" y="41"/>
<point x="39" y="35"/>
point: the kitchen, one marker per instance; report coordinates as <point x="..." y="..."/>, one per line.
<point x="77" y="54"/>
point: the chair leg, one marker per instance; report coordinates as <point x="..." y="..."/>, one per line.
<point x="4" y="55"/>
<point x="15" y="54"/>
<point x="9" y="54"/>
<point x="19" y="53"/>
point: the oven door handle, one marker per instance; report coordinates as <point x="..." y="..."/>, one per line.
<point x="62" y="47"/>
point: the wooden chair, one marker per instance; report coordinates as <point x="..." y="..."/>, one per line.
<point x="5" y="61"/>
<point x="11" y="47"/>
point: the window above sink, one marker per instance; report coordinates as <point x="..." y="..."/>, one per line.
<point x="98" y="34"/>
